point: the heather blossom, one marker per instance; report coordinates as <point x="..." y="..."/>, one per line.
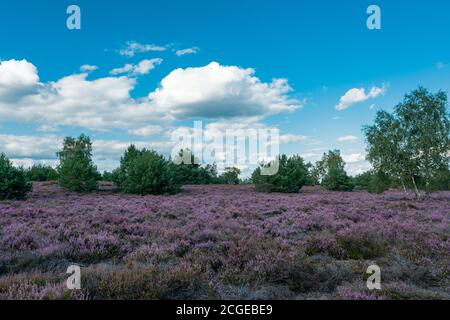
<point x="227" y="242"/>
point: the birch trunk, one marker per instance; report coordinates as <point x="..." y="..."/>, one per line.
<point x="416" y="190"/>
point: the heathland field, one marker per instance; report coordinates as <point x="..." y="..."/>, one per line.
<point x="225" y="242"/>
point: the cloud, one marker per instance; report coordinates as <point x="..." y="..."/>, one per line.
<point x="233" y="96"/>
<point x="17" y="78"/>
<point x="347" y="138"/>
<point x="354" y="169"/>
<point x="311" y="156"/>
<point x="357" y="95"/>
<point x="133" y="47"/>
<point x="216" y="91"/>
<point x="28" y="163"/>
<point x="47" y="128"/>
<point x="210" y="92"/>
<point x="143" y="67"/>
<point x="356" y="163"/>
<point x="354" y="157"/>
<point x="183" y="52"/>
<point x="88" y="68"/>
<point x="28" y="150"/>
<point x="114" y="149"/>
<point x="441" y="65"/>
<point x="292" y="138"/>
<point x="100" y="104"/>
<point x="146" y="131"/>
<point x="44" y="147"/>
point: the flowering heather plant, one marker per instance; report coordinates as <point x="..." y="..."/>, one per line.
<point x="229" y="242"/>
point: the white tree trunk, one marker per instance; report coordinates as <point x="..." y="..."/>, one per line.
<point x="403" y="185"/>
<point x="416" y="190"/>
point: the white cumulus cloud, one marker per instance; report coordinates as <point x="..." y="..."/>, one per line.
<point x="292" y="138"/>
<point x="88" y="68"/>
<point x="183" y="52"/>
<point x="348" y="138"/>
<point x="357" y="95"/>
<point x="143" y="67"/>
<point x="44" y="147"/>
<point x="216" y="91"/>
<point x="210" y="92"/>
<point x="146" y="131"/>
<point x="133" y="47"/>
<point x="354" y="157"/>
<point x="28" y="150"/>
<point x="17" y="78"/>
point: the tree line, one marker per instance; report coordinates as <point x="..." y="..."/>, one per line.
<point x="408" y="149"/>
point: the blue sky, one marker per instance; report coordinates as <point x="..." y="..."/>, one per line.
<point x="322" y="49"/>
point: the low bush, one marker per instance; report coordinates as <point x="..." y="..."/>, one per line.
<point x="372" y="181"/>
<point x="230" y="176"/>
<point x="14" y="183"/>
<point x="189" y="170"/>
<point x="146" y="172"/>
<point x="358" y="245"/>
<point x="317" y="274"/>
<point x="291" y="176"/>
<point x="337" y="180"/>
<point x="108" y="176"/>
<point x="183" y="281"/>
<point x="42" y="173"/>
<point x="441" y="180"/>
<point x="379" y="182"/>
<point x="361" y="181"/>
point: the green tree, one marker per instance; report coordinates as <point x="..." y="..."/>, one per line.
<point x="149" y="173"/>
<point x="379" y="182"/>
<point x="362" y="181"/>
<point x="14" y="183"/>
<point x="76" y="169"/>
<point x="332" y="170"/>
<point x="230" y="176"/>
<point x="292" y="175"/>
<point x="441" y="180"/>
<point x="313" y="177"/>
<point x="42" y="173"/>
<point x="122" y="173"/>
<point x="189" y="170"/>
<point x="413" y="143"/>
<point x="373" y="181"/>
<point x="107" y="176"/>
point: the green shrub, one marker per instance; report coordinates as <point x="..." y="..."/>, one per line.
<point x="108" y="176"/>
<point x="189" y="171"/>
<point x="230" y="176"/>
<point x="120" y="175"/>
<point x="146" y="172"/>
<point x="337" y="180"/>
<point x="359" y="245"/>
<point x="440" y="180"/>
<point x="312" y="178"/>
<point x="331" y="172"/>
<point x="373" y="181"/>
<point x="362" y="181"/>
<point x="316" y="274"/>
<point x="146" y="282"/>
<point x="292" y="175"/>
<point x="379" y="182"/>
<point x="76" y="169"/>
<point x="14" y="183"/>
<point x="40" y="172"/>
